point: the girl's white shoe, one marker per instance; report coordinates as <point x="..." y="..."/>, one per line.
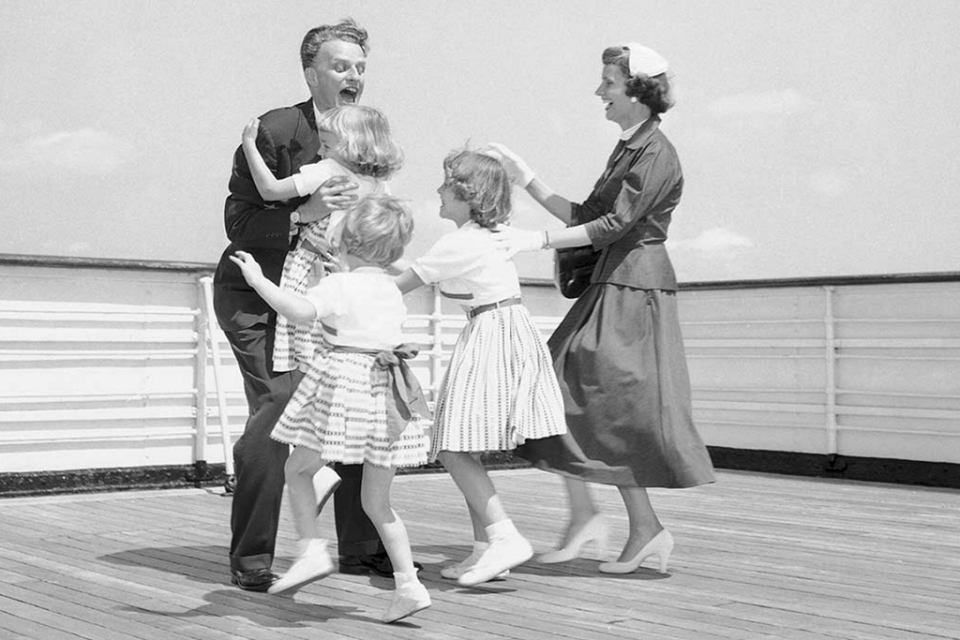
<point x="502" y="555"/>
<point x="454" y="571"/>
<point x="409" y="596"/>
<point x="313" y="562"/>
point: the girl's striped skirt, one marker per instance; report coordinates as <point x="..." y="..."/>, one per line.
<point x="500" y="388"/>
<point x="339" y="411"/>
<point x="295" y="343"/>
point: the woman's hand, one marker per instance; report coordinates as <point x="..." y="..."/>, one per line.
<point x="338" y="192"/>
<point x="250" y="131"/>
<point x="513" y="241"/>
<point x="251" y="271"/>
<point x="519" y="171"/>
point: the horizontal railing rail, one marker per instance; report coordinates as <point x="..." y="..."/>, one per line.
<point x="111" y="363"/>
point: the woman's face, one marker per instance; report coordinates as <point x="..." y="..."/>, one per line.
<point x="618" y="105"/>
<point x="451" y="207"/>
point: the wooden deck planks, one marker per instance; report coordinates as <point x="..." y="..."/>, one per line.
<point x="757" y="556"/>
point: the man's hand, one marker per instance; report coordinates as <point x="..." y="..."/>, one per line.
<point x="336" y="193"/>
<point x="251" y="271"/>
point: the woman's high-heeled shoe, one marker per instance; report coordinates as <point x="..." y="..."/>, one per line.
<point x="594" y="531"/>
<point x="661" y="546"/>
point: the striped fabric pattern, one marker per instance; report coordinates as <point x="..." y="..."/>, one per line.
<point x="339" y="410"/>
<point x="500" y="388"/>
<point x="296" y="343"/>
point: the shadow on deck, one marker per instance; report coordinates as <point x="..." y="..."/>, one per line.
<point x="757" y="556"/>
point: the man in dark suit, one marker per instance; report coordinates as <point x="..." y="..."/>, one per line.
<point x="334" y="63"/>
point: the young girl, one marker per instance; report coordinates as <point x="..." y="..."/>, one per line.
<point x="358" y="403"/>
<point x="500" y="388"/>
<point x="355" y="144"/>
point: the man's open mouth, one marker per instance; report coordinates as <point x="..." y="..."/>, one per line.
<point x="349" y="95"/>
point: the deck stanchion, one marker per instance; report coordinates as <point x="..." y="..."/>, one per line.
<point x="834" y="462"/>
<point x="436" y="350"/>
<point x="206" y="283"/>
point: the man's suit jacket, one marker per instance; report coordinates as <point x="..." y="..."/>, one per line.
<point x="287" y="140"/>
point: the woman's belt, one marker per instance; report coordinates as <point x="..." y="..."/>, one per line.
<point x="509" y="302"/>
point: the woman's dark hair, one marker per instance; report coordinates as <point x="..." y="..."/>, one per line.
<point x="651" y="91"/>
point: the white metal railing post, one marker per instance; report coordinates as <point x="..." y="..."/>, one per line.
<point x="436" y="350"/>
<point x="200" y="380"/>
<point x="830" y="364"/>
<point x="206" y="282"/>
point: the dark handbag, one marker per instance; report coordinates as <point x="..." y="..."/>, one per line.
<point x="573" y="268"/>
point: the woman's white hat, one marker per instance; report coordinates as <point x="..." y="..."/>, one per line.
<point x="645" y="60"/>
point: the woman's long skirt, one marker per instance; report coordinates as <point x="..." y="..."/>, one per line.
<point x="623" y="376"/>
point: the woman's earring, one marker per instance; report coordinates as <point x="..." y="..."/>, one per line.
<point x="633" y="99"/>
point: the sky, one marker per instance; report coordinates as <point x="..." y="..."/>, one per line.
<point x="817" y="138"/>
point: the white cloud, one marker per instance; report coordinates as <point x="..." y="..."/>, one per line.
<point x="784" y="102"/>
<point x="828" y="183"/>
<point x="85" y="151"/>
<point x="59" y="248"/>
<point x="715" y="254"/>
<point x="712" y="241"/>
<point x="79" y="249"/>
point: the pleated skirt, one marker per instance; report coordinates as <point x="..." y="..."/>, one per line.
<point x="296" y="343"/>
<point x="339" y="411"/>
<point x="500" y="388"/>
<point x="619" y="357"/>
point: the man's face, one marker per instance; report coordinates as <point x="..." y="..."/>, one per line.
<point x="336" y="75"/>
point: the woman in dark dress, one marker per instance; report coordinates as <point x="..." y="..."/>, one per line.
<point x="618" y="352"/>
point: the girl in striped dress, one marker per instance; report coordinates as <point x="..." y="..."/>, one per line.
<point x="358" y="403"/>
<point x="500" y="388"/>
<point x="356" y="146"/>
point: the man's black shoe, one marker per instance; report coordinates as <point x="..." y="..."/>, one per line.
<point x="377" y="563"/>
<point x="254" y="580"/>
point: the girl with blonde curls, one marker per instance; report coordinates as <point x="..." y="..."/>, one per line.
<point x="355" y="144"/>
<point x="358" y="402"/>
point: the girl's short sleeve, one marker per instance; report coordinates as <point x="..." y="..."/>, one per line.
<point x="327" y="296"/>
<point x="450" y="257"/>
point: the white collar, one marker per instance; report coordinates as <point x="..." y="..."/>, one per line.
<point x="626" y="134"/>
